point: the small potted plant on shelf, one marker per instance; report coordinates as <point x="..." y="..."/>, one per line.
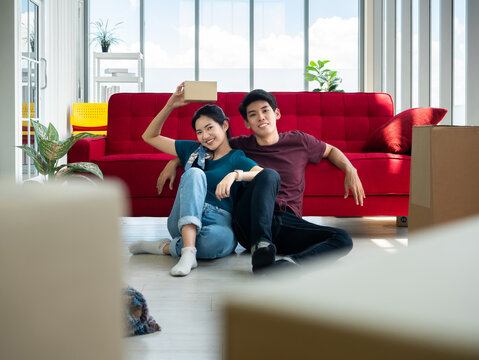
<point x="103" y="35"/>
<point x="51" y="150"/>
<point x="328" y="79"/>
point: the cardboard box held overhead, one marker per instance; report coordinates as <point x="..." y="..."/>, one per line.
<point x="200" y="91"/>
<point x="444" y="175"/>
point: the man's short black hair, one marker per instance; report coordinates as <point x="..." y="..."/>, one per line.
<point x="256" y="95"/>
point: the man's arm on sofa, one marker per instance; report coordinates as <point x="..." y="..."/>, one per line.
<point x="168" y="173"/>
<point x="87" y="149"/>
<point x="351" y="180"/>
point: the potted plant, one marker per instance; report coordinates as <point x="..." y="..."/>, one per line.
<point x="103" y="35"/>
<point x="51" y="150"/>
<point x="328" y="79"/>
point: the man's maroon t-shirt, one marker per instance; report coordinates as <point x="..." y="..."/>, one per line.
<point x="289" y="157"/>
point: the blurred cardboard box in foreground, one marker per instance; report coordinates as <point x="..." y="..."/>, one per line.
<point x="420" y="303"/>
<point x="60" y="271"/>
<point x="444" y="175"/>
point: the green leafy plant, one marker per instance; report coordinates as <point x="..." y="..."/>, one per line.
<point x="328" y="79"/>
<point x="51" y="150"/>
<point x="103" y="35"/>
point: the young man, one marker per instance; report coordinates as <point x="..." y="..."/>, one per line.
<point x="267" y="216"/>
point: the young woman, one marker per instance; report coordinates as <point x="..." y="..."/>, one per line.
<point x="200" y="220"/>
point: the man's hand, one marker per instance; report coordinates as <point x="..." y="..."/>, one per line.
<point x="223" y="188"/>
<point x="168" y="173"/>
<point x="353" y="182"/>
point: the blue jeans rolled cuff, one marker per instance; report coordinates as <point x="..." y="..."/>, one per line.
<point x="189" y="220"/>
<point x="174" y="247"/>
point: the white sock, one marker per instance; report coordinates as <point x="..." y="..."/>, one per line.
<point x="186" y="263"/>
<point x="261" y="244"/>
<point x="149" y="247"/>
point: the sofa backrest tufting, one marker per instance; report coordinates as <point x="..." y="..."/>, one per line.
<point x="344" y="120"/>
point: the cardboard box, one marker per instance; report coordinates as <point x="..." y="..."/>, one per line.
<point x="61" y="271"/>
<point x="444" y="175"/>
<point x="387" y="307"/>
<point x="201" y="91"/>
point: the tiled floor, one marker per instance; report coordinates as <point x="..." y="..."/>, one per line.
<point x="189" y="309"/>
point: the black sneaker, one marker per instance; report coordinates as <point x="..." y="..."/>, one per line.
<point x="263" y="255"/>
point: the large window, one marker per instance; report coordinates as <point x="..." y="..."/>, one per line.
<point x="459" y="61"/>
<point x="435" y="58"/>
<point x="431" y="37"/>
<point x="415" y="54"/>
<point x="279" y="45"/>
<point x="397" y="105"/>
<point x="217" y="45"/>
<point x="123" y="15"/>
<point x="333" y="35"/>
<point x="123" y="18"/>
<point x="224" y="43"/>
<point x="169" y="43"/>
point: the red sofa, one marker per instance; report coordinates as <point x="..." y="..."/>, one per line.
<point x="343" y="120"/>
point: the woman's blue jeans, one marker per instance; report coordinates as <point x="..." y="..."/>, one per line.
<point x="215" y="236"/>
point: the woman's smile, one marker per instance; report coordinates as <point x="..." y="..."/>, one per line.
<point x="209" y="141"/>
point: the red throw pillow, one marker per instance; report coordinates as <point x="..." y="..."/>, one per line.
<point x="396" y="135"/>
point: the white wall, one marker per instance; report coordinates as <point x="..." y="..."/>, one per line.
<point x="472" y="61"/>
<point x="62" y="51"/>
<point x="8" y="99"/>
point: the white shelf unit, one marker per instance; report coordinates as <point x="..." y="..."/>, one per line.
<point x="100" y="79"/>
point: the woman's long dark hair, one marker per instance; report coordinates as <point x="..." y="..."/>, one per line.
<point x="215" y="113"/>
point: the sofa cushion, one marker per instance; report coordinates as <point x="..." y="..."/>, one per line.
<point x="139" y="171"/>
<point x="380" y="174"/>
<point x="340" y="119"/>
<point x="395" y="136"/>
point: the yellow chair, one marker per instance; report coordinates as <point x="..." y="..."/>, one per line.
<point x="26" y="132"/>
<point x="89" y="117"/>
<point x="25" y="113"/>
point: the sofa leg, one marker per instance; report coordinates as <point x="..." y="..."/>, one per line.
<point x="401" y="221"/>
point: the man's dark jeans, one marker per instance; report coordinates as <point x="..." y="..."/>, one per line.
<point x="255" y="219"/>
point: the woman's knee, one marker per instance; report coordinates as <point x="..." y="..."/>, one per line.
<point x="215" y="241"/>
<point x="194" y="174"/>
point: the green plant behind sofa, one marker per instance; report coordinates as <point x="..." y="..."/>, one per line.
<point x="328" y="79"/>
